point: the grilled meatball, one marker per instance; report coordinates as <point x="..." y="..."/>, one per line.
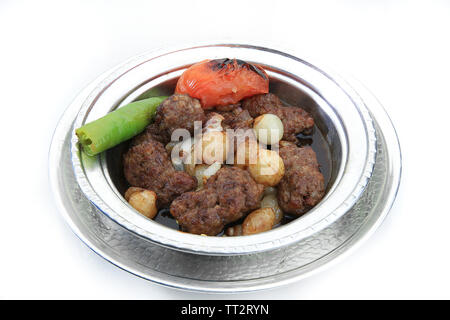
<point x="225" y="198"/>
<point x="237" y="118"/>
<point x="151" y="132"/>
<point x="302" y="185"/>
<point x="295" y="119"/>
<point x="199" y="212"/>
<point x="147" y="165"/>
<point x="228" y="107"/>
<point x="179" y="111"/>
<point x="234" y="117"/>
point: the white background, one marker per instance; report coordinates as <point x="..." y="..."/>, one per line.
<point x="50" y="50"/>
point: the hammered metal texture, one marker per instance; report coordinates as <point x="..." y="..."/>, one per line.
<point x="142" y="257"/>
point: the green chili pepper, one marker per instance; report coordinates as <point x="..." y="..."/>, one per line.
<point x="117" y="126"/>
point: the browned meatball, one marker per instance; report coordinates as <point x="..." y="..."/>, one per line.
<point x="147" y="165"/>
<point x="151" y="132"/>
<point x="260" y="104"/>
<point x="228" y="107"/>
<point x="179" y="111"/>
<point x="238" y="192"/>
<point x="295" y="119"/>
<point x="234" y="117"/>
<point x="237" y="118"/>
<point x="199" y="212"/>
<point x="302" y="185"/>
<point x="226" y="197"/>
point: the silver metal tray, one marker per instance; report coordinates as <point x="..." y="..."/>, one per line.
<point x="227" y="273"/>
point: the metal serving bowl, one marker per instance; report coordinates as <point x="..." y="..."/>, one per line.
<point x="339" y="113"/>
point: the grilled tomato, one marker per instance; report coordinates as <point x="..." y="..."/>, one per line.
<point x="222" y="81"/>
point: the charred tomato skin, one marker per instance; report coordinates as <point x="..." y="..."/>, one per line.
<point x="222" y="82"/>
